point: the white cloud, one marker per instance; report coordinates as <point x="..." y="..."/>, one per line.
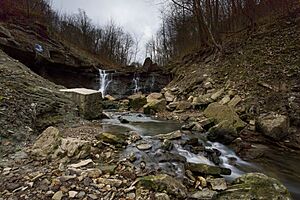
<point x="139" y="17"/>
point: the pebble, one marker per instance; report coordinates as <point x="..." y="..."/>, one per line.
<point x="80" y="195"/>
<point x="81" y="163"/>
<point x="72" y="194"/>
<point x="144" y="147"/>
<point x="162" y="196"/>
<point x="113" y="182"/>
<point x="49" y="193"/>
<point x="58" y="195"/>
<point x="218" y="184"/>
<point x="131" y="195"/>
<point x="92" y="196"/>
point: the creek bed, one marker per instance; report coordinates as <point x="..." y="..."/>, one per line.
<point x="278" y="164"/>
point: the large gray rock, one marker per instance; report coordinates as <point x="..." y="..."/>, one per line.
<point x="88" y="101"/>
<point x="255" y="186"/>
<point x="163" y="182"/>
<point x="274" y="126"/>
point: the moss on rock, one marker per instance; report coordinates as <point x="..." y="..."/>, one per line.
<point x="255" y="186"/>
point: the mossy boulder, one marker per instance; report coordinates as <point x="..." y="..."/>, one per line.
<point x="155" y="106"/>
<point x="163" y="182"/>
<point x="137" y="101"/>
<point x="224" y="132"/>
<point x="116" y="139"/>
<point x="220" y="113"/>
<point x="255" y="186"/>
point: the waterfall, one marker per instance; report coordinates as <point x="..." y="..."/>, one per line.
<point x="136" y="81"/>
<point x="104" y="81"/>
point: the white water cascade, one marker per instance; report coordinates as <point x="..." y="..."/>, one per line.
<point x="104" y="81"/>
<point x="136" y="81"/>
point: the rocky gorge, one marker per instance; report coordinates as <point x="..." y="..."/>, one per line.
<point x="204" y="132"/>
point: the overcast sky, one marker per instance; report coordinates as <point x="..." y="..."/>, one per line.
<point x="139" y="17"/>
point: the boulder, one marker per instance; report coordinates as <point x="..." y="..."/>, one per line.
<point x="199" y="168"/>
<point x="255" y="186"/>
<point x="163" y="182"/>
<point x="154" y="96"/>
<point x="137" y="101"/>
<point x="274" y="126"/>
<point x="224" y="132"/>
<point x="169" y="96"/>
<point x="183" y="105"/>
<point x="222" y="112"/>
<point x="87" y="100"/>
<point x="47" y="142"/>
<point x="155" y="106"/>
<point x="117" y="139"/>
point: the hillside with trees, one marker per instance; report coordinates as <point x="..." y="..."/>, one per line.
<point x="190" y="25"/>
<point x="109" y="43"/>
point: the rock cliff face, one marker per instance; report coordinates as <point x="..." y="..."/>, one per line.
<point x="126" y="83"/>
<point x="48" y="57"/>
<point x="28" y="103"/>
<point x="65" y="65"/>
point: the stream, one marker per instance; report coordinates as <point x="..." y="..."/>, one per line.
<point x="276" y="164"/>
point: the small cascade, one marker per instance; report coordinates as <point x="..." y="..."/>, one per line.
<point x="104" y="81"/>
<point x="136" y="81"/>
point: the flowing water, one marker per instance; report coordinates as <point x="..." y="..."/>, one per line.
<point x="136" y="83"/>
<point x="104" y="81"/>
<point x="277" y="164"/>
